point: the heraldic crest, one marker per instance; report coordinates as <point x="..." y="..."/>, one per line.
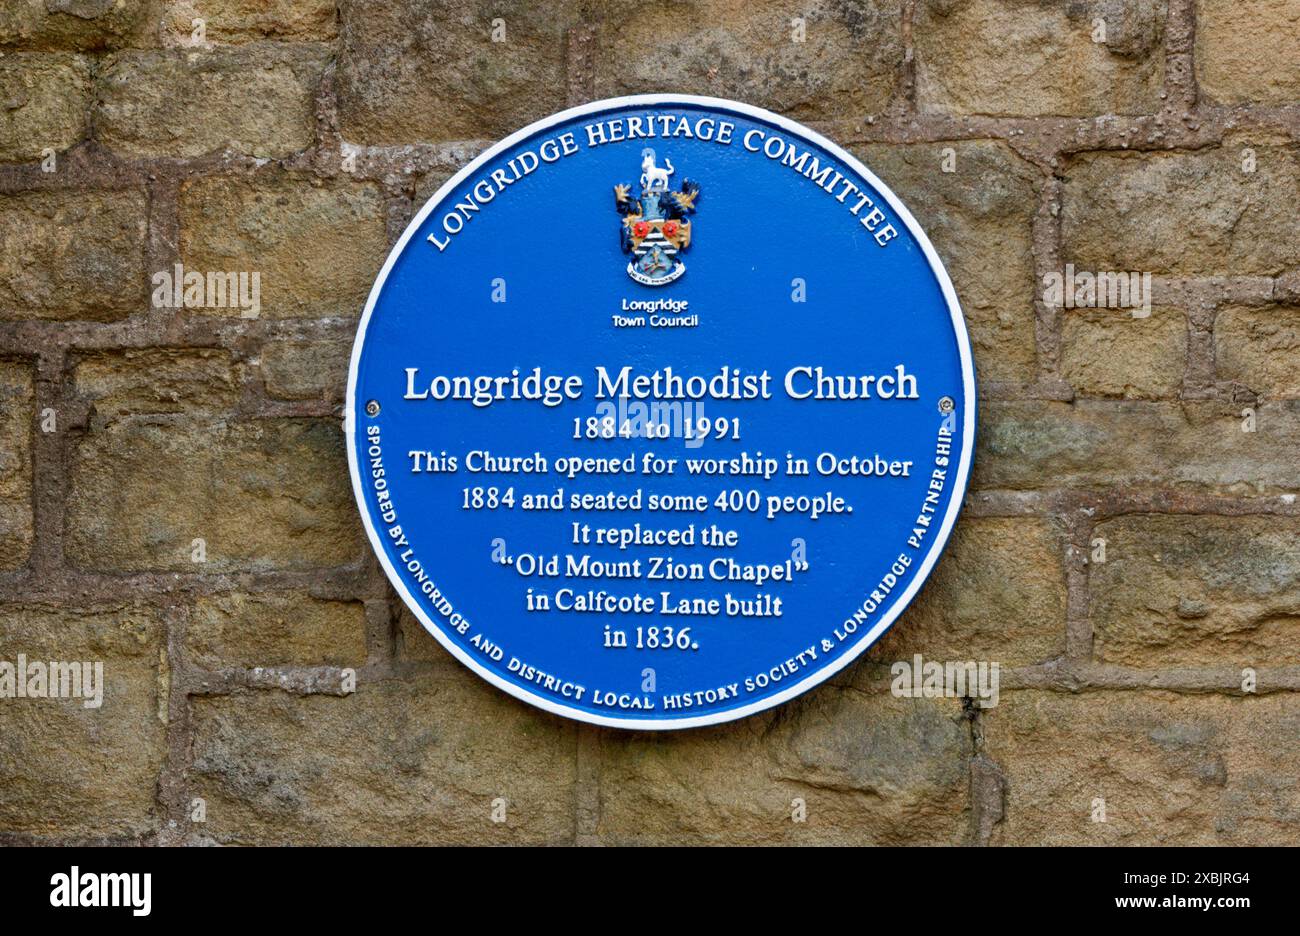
<point x="656" y="227"/>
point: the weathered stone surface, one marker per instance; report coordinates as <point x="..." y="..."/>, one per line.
<point x="137" y="382"/>
<point x="413" y="641"/>
<point x="238" y="629"/>
<point x="75" y="771"/>
<point x="317" y="247"/>
<point x="1098" y="444"/>
<point x="847" y="62"/>
<point x="256" y="99"/>
<point x="401" y="761"/>
<point x="1183" y="213"/>
<point x="1248" y="54"/>
<point x="74" y="24"/>
<point x="43" y="104"/>
<point x="306" y="368"/>
<point x="1011" y="58"/>
<point x="17" y="420"/>
<point x="1197" y="591"/>
<point x="872" y="769"/>
<point x="413" y="71"/>
<point x="1185" y="770"/>
<point x="1259" y="348"/>
<point x="426" y="187"/>
<point x="979" y="218"/>
<point x="997" y="594"/>
<point x="72" y="255"/>
<point x="1109" y="353"/>
<point x="242" y="20"/>
<point x="270" y="494"/>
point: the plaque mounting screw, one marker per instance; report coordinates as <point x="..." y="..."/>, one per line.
<point x="946" y="405"/>
<point x="372" y="408"/>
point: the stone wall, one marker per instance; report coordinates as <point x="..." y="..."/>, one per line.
<point x="173" y="488"/>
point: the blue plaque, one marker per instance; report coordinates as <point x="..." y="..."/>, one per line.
<point x="660" y="412"/>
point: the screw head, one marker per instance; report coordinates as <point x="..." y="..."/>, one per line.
<point x="946" y="405"/>
<point x="372" y="408"/>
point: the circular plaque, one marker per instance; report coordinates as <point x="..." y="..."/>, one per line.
<point x="660" y="412"/>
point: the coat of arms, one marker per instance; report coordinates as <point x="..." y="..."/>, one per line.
<point x="656" y="229"/>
